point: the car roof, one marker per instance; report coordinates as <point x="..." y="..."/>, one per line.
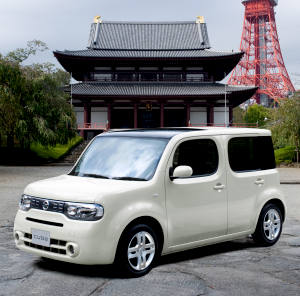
<point x="166" y="133"/>
<point x="169" y="133"/>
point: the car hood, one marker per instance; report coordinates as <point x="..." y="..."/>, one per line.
<point x="80" y="189"/>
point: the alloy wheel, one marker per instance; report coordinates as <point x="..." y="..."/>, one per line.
<point x="272" y="224"/>
<point x="141" y="250"/>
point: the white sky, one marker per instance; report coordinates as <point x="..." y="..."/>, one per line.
<point x="65" y="24"/>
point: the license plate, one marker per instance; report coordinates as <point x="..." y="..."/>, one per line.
<point x="40" y="237"/>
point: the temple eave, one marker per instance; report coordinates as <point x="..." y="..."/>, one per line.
<point x="193" y="93"/>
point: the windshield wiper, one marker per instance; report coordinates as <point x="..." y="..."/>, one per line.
<point x="129" y="179"/>
<point x="95" y="176"/>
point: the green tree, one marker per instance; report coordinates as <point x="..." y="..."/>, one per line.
<point x="53" y="120"/>
<point x="33" y="105"/>
<point x="19" y="55"/>
<point x="287" y="122"/>
<point x="238" y="115"/>
<point x="257" y="115"/>
<point x="13" y="88"/>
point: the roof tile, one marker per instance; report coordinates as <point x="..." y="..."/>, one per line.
<point x="154" y="89"/>
<point x="97" y="53"/>
<point x="149" y="36"/>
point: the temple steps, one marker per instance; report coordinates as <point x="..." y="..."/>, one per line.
<point x="74" y="154"/>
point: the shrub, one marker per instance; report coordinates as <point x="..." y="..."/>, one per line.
<point x="56" y="152"/>
<point x="285" y="155"/>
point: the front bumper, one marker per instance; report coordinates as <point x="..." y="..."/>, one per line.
<point x="82" y="242"/>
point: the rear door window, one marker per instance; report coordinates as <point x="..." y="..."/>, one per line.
<point x="251" y="154"/>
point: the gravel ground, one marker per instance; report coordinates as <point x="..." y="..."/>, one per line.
<point x="235" y="268"/>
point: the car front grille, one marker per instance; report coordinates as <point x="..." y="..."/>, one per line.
<point x="56" y="246"/>
<point x="47" y="204"/>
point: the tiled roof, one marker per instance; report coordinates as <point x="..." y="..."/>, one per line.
<point x="155" y="89"/>
<point x="97" y="53"/>
<point x="148" y="36"/>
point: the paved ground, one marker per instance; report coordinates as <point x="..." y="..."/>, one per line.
<point x="236" y="268"/>
<point x="289" y="175"/>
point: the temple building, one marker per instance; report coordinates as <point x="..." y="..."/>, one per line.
<point x="147" y="75"/>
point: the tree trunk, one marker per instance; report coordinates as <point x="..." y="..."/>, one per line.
<point x="298" y="150"/>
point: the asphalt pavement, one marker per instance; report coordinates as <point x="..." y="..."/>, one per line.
<point x="234" y="268"/>
<point x="289" y="175"/>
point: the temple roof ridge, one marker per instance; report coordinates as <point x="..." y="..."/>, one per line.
<point x="149" y="36"/>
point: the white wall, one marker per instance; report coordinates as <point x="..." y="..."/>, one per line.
<point x="219" y="116"/>
<point x="99" y="115"/>
<point x="79" y="114"/>
<point x="198" y="116"/>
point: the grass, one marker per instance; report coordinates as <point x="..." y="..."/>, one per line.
<point x="55" y="152"/>
<point x="285" y="155"/>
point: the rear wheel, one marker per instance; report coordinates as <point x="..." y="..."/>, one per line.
<point x="269" y="226"/>
<point x="138" y="250"/>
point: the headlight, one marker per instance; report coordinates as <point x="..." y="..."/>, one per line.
<point x="25" y="202"/>
<point x="85" y="212"/>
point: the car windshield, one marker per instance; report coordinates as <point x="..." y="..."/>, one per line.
<point x="121" y="158"/>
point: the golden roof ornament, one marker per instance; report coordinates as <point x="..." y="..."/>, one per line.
<point x="97" y="19"/>
<point x="200" y="20"/>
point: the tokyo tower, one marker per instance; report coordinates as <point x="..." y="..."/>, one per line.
<point x="262" y="64"/>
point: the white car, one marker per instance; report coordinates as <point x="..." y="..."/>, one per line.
<point x="137" y="194"/>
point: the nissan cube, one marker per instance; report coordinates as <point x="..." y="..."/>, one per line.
<point x="135" y="195"/>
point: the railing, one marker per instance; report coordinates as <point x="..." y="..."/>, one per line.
<point x="93" y="126"/>
<point x="104" y="125"/>
<point x="237" y="125"/>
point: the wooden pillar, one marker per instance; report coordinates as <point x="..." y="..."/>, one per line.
<point x="188" y="114"/>
<point x="230" y="115"/>
<point x="108" y="125"/>
<point x="162" y="111"/>
<point x="87" y="115"/>
<point x="135" y="114"/>
<point x="86" y="119"/>
<point x="210" y="115"/>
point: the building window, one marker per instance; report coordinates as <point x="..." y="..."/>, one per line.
<point x="194" y="69"/>
<point x="199" y="77"/>
<point x="172" y="77"/>
<point x="248" y="154"/>
<point x="148" y="77"/>
<point x="172" y="68"/>
<point x="148" y="68"/>
<point x="102" y="76"/>
<point x="102" y="68"/>
<point x="125" y="69"/>
<point x="201" y="155"/>
<point x="125" y="76"/>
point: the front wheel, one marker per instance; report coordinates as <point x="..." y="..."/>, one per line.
<point x="138" y="250"/>
<point x="269" y="226"/>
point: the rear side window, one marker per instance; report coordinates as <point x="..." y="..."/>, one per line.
<point x="200" y="155"/>
<point x="251" y="154"/>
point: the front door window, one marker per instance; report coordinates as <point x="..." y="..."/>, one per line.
<point x="200" y="155"/>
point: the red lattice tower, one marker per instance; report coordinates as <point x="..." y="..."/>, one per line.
<point x="262" y="65"/>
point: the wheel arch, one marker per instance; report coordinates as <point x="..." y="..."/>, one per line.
<point x="279" y="204"/>
<point x="274" y="200"/>
<point x="150" y="221"/>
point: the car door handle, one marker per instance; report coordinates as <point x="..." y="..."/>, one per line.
<point x="219" y="187"/>
<point x="260" y="181"/>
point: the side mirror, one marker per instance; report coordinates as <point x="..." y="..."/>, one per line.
<point x="182" y="171"/>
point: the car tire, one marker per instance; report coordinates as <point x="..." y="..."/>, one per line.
<point x="138" y="251"/>
<point x="269" y="226"/>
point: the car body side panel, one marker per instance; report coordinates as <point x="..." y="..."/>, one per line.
<point x="195" y="210"/>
